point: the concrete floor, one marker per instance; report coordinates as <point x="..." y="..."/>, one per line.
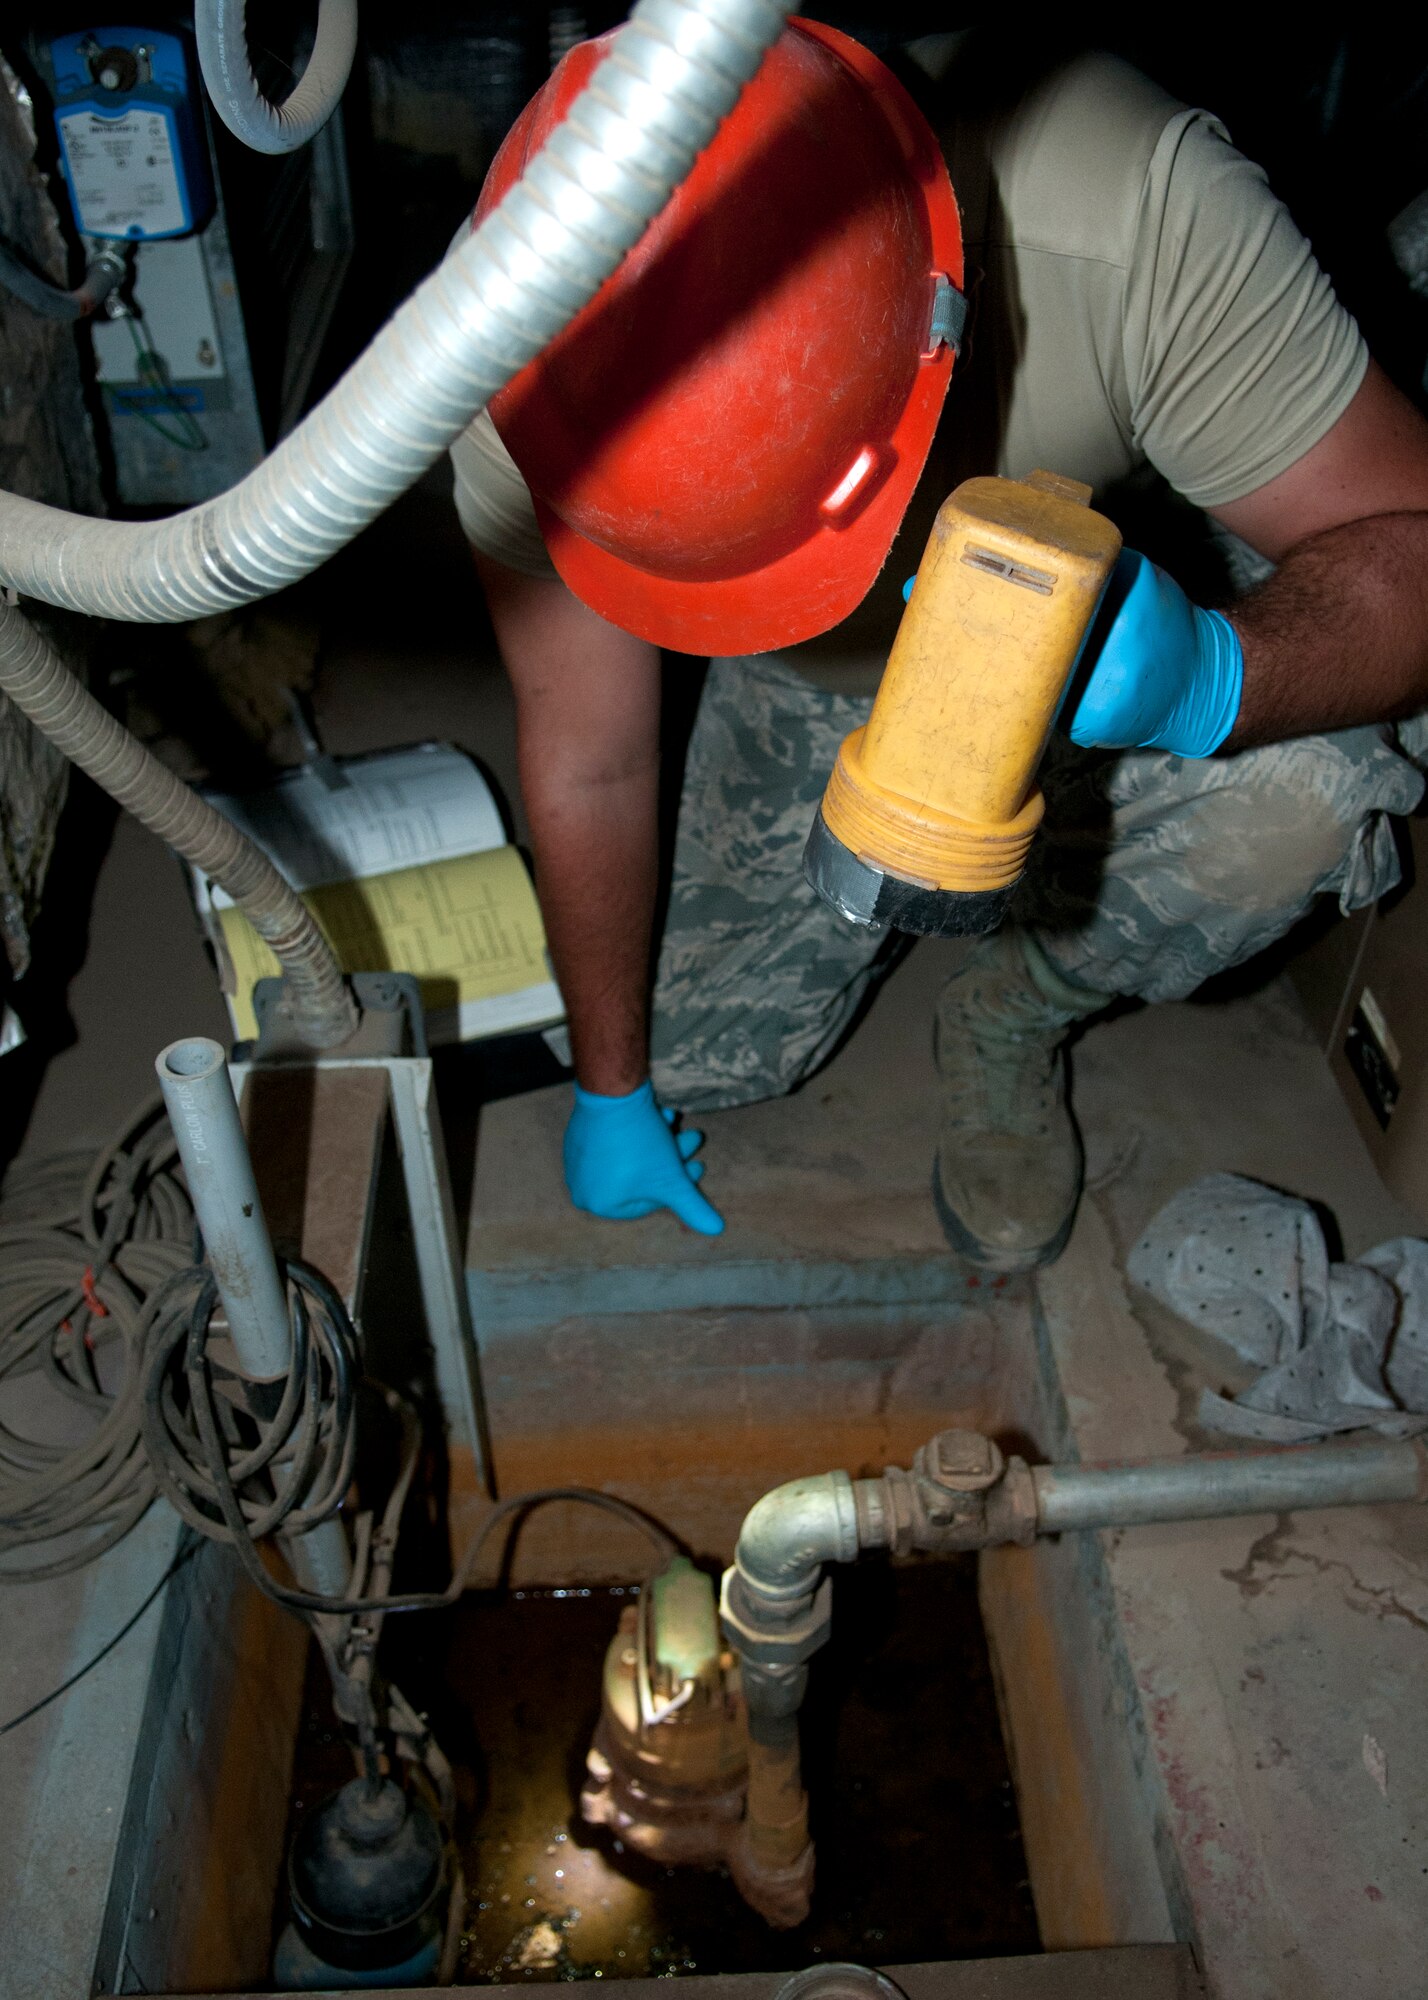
<point x="1266" y="1724"/>
<point x="1268" y="1673"/>
<point x="828" y="1325"/>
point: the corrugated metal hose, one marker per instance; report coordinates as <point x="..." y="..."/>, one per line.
<point x="38" y="682"/>
<point x="675" y="70"/>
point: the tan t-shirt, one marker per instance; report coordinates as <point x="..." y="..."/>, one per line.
<point x="1139" y="297"/>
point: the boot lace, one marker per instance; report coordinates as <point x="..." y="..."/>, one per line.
<point x="1002" y="1078"/>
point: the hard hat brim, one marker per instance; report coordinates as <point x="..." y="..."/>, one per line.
<point x="781" y="603"/>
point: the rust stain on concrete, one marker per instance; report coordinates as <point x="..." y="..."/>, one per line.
<point x="1074" y="1904"/>
<point x="698" y="1478"/>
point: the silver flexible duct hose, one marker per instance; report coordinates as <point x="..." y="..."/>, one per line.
<point x="220" y="32"/>
<point x="627" y="142"/>
<point x="42" y="686"/>
<point x="103" y="272"/>
<point x="652" y="105"/>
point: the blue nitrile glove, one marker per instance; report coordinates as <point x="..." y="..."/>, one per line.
<point x="1156" y="672"/>
<point x="623" y="1159"/>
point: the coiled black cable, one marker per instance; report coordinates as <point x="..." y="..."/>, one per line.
<point x="238" y="1476"/>
<point x="229" y="1469"/>
<point x="102" y="1305"/>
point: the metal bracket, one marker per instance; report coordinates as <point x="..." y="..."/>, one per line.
<point x="391" y="1011"/>
<point x="391" y="1022"/>
<point x="949" y="316"/>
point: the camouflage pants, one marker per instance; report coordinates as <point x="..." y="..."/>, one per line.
<point x="1151" y="873"/>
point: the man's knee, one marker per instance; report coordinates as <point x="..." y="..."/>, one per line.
<point x="1199" y="866"/>
<point x="1278" y="835"/>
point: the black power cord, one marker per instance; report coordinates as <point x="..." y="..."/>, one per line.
<point x="229" y="1470"/>
<point x="106" y="268"/>
<point x="190" y="1549"/>
<point x="293" y="1469"/>
<point x="99" y="1295"/>
<point x="237" y="1477"/>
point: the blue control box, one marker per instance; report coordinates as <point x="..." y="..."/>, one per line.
<point x="131" y="133"/>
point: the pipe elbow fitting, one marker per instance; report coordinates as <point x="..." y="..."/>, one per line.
<point x="793" y="1531"/>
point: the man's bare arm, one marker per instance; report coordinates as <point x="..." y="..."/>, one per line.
<point x="587" y="710"/>
<point x="1339" y="634"/>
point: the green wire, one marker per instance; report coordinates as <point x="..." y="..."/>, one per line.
<point x="153" y="375"/>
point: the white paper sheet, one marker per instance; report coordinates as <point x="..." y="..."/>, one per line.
<point x="398" y="809"/>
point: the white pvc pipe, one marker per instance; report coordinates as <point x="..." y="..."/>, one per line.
<point x="321" y="1559"/>
<point x="198" y="1096"/>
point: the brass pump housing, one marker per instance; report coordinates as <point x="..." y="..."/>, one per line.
<point x="930" y="813"/>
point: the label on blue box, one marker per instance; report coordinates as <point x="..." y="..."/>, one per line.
<point x="124" y="173"/>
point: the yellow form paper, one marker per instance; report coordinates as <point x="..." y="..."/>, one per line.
<point x="468" y="927"/>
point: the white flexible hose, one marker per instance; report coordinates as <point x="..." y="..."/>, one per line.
<point x="220" y="32"/>
<point x="650" y="108"/>
<point x="627" y="142"/>
<point x="39" y="683"/>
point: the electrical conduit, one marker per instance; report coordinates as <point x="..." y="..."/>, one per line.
<point x="586" y="198"/>
<point x="221" y="35"/>
<point x="652" y="105"/>
<point x="44" y="689"/>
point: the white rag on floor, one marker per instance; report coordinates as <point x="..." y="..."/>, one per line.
<point x="1342" y="1346"/>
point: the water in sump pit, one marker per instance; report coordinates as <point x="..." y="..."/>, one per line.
<point x="919" y="1849"/>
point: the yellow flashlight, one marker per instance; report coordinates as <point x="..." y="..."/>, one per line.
<point x="930" y="813"/>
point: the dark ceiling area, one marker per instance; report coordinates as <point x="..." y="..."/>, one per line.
<point x="1336" y="110"/>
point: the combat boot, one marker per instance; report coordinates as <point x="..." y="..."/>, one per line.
<point x="1009" y="1163"/>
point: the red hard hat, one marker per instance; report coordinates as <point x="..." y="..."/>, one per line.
<point x="722" y="444"/>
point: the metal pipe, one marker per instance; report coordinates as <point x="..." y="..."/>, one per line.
<point x="777" y="1813"/>
<point x="771" y="1615"/>
<point x="793" y="1531"/>
<point x="198" y="1095"/>
<point x="1200" y="1487"/>
<point x="321" y="1559"/>
<point x="772" y="1618"/>
<point x="772" y="1861"/>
